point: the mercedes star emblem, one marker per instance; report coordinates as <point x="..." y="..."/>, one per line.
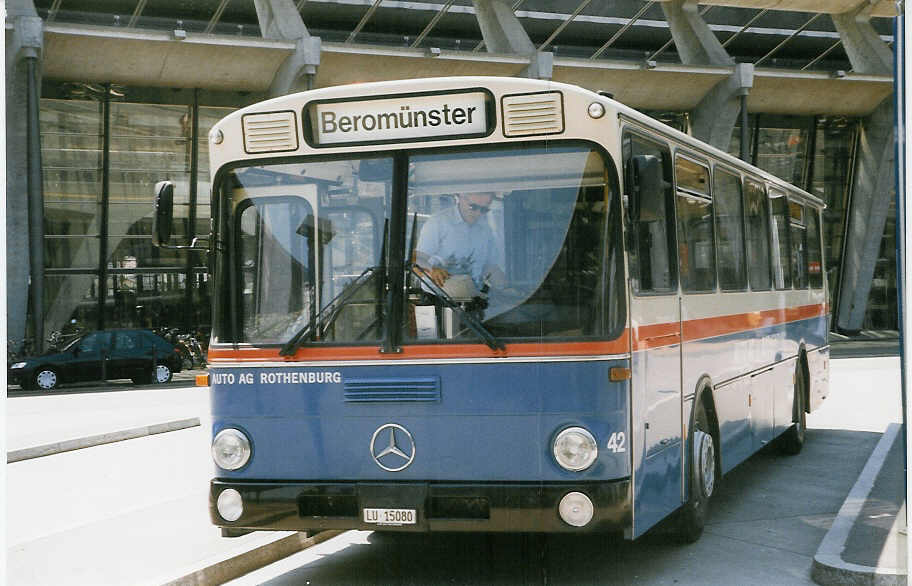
<point x="392" y="447"/>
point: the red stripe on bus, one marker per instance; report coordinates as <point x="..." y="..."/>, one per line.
<point x="654" y="336"/>
<point x="644" y="337"/>
<point x="412" y="352"/>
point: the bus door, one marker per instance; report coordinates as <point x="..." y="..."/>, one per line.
<point x="655" y="332"/>
<point x="697" y="276"/>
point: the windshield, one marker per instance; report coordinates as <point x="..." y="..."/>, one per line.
<point x="519" y="243"/>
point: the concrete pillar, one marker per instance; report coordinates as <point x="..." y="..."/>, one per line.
<point x="872" y="190"/>
<point x="503" y="33"/>
<point x="715" y="116"/>
<point x="695" y="42"/>
<point x="280" y="20"/>
<point x="500" y="29"/>
<point x="864" y="47"/>
<point x="24" y="44"/>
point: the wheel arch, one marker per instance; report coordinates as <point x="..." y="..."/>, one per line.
<point x="806" y="373"/>
<point x="704" y="395"/>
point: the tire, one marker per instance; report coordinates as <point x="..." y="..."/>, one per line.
<point x="703" y="478"/>
<point x="162" y="374"/>
<point x="45" y="379"/>
<point x="792" y="440"/>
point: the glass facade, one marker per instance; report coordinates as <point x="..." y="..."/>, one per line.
<point x="818" y="155"/>
<point x="97" y="224"/>
<point x="101" y="269"/>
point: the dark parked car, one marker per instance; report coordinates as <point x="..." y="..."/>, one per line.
<point x="139" y="355"/>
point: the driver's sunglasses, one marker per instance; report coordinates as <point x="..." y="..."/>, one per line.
<point x="479" y="208"/>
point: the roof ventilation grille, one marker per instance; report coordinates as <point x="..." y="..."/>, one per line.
<point x="270" y="133"/>
<point x="538" y="113"/>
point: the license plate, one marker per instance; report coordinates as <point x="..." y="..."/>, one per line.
<point x="390" y="516"/>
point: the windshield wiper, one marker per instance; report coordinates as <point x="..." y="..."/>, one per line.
<point x="330" y="312"/>
<point x="474" y="324"/>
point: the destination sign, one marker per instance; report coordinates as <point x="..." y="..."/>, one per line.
<point x="399" y="118"/>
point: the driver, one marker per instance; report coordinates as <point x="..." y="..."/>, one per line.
<point x="455" y="242"/>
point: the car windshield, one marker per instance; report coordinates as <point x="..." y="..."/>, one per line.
<point x="523" y="241"/>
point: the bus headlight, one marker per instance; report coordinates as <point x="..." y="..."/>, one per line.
<point x="575" y="449"/>
<point x="230" y="449"/>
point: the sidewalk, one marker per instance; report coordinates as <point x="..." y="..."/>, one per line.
<point x="99" y="413"/>
<point x="867" y="542"/>
<point x="170" y="542"/>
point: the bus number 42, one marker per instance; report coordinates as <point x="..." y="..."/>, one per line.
<point x="617" y="442"/>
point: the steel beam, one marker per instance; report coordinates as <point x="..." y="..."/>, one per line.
<point x="564" y="24"/>
<point x="367" y="16"/>
<point x="217" y="16"/>
<point x="430" y="26"/>
<point x="623" y="29"/>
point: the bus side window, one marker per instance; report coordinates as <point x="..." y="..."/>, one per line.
<point x="798" y="236"/>
<point x="729" y="227"/>
<point x="757" y="234"/>
<point x="781" y="250"/>
<point x="696" y="252"/>
<point x="814" y="250"/>
<point x="652" y="243"/>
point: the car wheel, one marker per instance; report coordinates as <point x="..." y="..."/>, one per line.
<point x="45" y="379"/>
<point x="162" y="374"/>
<point x="692" y="517"/>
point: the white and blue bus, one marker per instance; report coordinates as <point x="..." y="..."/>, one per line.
<point x="627" y="314"/>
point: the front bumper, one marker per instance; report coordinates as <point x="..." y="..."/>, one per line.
<point x="17" y="376"/>
<point x="495" y="507"/>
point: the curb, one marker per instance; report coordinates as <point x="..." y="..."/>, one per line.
<point x="222" y="570"/>
<point x="829" y="568"/>
<point x="98" y="440"/>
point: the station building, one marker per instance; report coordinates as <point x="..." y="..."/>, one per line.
<point x="107" y="97"/>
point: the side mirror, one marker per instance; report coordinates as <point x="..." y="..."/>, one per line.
<point x="648" y="189"/>
<point x="163" y="219"/>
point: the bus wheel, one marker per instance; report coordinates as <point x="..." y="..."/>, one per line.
<point x="692" y="516"/>
<point x="792" y="440"/>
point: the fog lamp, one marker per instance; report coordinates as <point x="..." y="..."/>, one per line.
<point x="576" y="509"/>
<point x="575" y="449"/>
<point x="230" y="504"/>
<point x="230" y="449"/>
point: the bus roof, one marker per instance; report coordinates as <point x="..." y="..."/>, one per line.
<point x="292" y="105"/>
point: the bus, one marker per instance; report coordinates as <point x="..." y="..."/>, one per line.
<point x="496" y="305"/>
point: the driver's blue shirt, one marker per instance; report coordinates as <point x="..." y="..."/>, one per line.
<point x="456" y="246"/>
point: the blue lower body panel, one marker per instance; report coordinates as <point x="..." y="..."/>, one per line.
<point x="468" y="447"/>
